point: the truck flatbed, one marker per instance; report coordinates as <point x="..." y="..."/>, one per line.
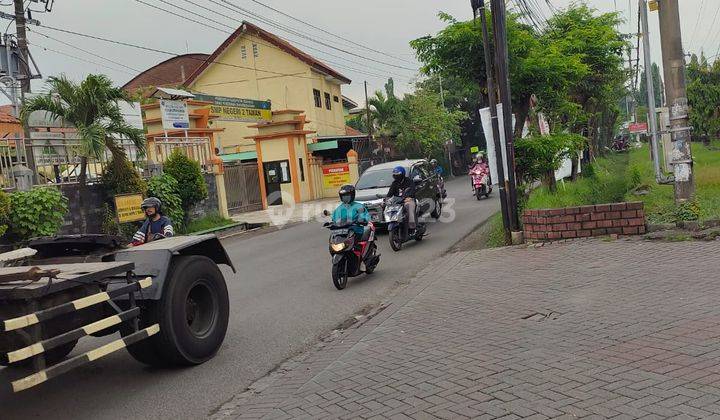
<point x="71" y="275"/>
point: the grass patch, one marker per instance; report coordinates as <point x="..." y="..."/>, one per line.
<point x="496" y="232"/>
<point x="630" y="177"/>
<point x="659" y="201"/>
<point x="210" y="221"/>
<point x="607" y="180"/>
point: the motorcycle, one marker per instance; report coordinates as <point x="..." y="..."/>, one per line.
<point x="349" y="252"/>
<point x="398" y="231"/>
<point x="480" y="182"/>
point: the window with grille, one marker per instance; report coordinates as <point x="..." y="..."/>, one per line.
<point x="318" y="101"/>
<point x="328" y="104"/>
<point x="243" y="52"/>
<point x="256" y="51"/>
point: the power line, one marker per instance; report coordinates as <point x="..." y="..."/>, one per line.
<point x="697" y="23"/>
<point x="300" y="34"/>
<point x="79" y="58"/>
<point x="330" y="33"/>
<point x="298" y="43"/>
<point x="170" y="53"/>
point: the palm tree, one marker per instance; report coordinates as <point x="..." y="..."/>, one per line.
<point x="90" y="106"/>
<point x="384" y="107"/>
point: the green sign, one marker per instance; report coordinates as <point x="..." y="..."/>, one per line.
<point x="474" y="149"/>
<point x="237" y="109"/>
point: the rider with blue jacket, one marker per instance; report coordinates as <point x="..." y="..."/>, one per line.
<point x="350" y="212"/>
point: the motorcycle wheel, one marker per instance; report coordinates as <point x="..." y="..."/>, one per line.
<point x="395" y="240"/>
<point x="478" y="193"/>
<point x="437" y="210"/>
<point x="340" y="275"/>
<point x="371" y="254"/>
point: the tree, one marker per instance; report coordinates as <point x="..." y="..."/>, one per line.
<point x="189" y="176"/>
<point x="90" y="106"/>
<point x="658" y="87"/>
<point x="384" y="106"/>
<point x="580" y="31"/>
<point x="423" y="126"/>
<point x="703" y="89"/>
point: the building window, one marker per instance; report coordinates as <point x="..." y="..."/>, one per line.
<point x="328" y="104"/>
<point x="302" y="170"/>
<point x="256" y="53"/>
<point x="318" y="101"/>
<point x="243" y="52"/>
<point x="336" y="99"/>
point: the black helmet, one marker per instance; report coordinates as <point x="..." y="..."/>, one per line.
<point x="347" y="193"/>
<point x="151" y="202"/>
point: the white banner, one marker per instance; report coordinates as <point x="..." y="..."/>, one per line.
<point x="486" y="120"/>
<point x="174" y="114"/>
<point x="132" y="113"/>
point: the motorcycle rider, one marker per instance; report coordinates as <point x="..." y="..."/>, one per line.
<point x="350" y="212"/>
<point x="404" y="187"/>
<point x="156" y="226"/>
<point x="480" y="164"/>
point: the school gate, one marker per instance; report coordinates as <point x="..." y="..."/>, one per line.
<point x="242" y="187"/>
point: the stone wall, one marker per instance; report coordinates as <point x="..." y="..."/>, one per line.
<point x="210" y="204"/>
<point x="584" y="221"/>
<point x="72" y="224"/>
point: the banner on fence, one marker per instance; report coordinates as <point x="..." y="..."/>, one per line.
<point x="336" y="176"/>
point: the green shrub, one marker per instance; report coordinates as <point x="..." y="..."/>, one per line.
<point x="538" y="157"/>
<point x="4" y="211"/>
<point x="212" y="220"/>
<point x="38" y="212"/>
<point x="188" y="174"/>
<point x="688" y="211"/>
<point x="121" y="178"/>
<point x="167" y="189"/>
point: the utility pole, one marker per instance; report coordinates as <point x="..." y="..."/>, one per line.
<point x="503" y="78"/>
<point x="676" y="96"/>
<point x="479" y="6"/>
<point x="652" y="115"/>
<point x="20" y="24"/>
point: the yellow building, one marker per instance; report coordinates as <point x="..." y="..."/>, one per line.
<point x="256" y="65"/>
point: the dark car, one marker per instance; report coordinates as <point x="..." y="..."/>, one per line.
<point x="376" y="181"/>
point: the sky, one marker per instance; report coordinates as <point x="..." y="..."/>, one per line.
<point x="378" y="30"/>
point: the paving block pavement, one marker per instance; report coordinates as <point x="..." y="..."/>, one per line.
<point x="625" y="329"/>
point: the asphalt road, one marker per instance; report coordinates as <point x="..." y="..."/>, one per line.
<point x="282" y="300"/>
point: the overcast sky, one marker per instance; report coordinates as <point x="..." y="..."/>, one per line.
<point x="383" y="25"/>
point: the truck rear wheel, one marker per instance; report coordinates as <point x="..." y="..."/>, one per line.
<point x="192" y="313"/>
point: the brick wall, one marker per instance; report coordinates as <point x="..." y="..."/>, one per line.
<point x="584" y="221"/>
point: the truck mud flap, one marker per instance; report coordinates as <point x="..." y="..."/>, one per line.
<point x="62" y="367"/>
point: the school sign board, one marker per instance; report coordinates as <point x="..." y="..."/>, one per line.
<point x="336" y="176"/>
<point x="174" y="115"/>
<point x="128" y="207"/>
<point x="237" y="109"/>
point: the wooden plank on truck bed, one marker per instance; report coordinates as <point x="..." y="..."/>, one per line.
<point x="71" y="275"/>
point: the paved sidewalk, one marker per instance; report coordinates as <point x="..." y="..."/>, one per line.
<point x="626" y="329"/>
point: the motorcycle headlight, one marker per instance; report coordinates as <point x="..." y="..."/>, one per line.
<point x="337" y="247"/>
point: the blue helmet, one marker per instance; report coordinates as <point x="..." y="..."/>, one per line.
<point x="398" y="172"/>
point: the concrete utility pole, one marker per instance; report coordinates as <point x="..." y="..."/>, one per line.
<point x="479" y="6"/>
<point x="20" y="24"/>
<point x="676" y="97"/>
<point x="652" y="115"/>
<point x="503" y="79"/>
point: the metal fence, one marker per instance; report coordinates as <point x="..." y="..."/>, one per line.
<point x="12" y="152"/>
<point x="196" y="148"/>
<point x="242" y="186"/>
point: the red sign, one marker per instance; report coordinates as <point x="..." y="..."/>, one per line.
<point x="638" y="128"/>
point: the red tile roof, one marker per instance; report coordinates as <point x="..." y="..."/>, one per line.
<point x="6" y="115"/>
<point x="248" y="27"/>
<point x="349" y="131"/>
<point x="172" y="72"/>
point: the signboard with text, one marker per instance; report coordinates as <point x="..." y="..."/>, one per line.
<point x="336" y="176"/>
<point x="174" y="114"/>
<point x="237" y="109"/>
<point x="128" y="209"/>
<point x="638" y="128"/>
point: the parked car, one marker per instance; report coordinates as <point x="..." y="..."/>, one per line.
<point x="376" y="180"/>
